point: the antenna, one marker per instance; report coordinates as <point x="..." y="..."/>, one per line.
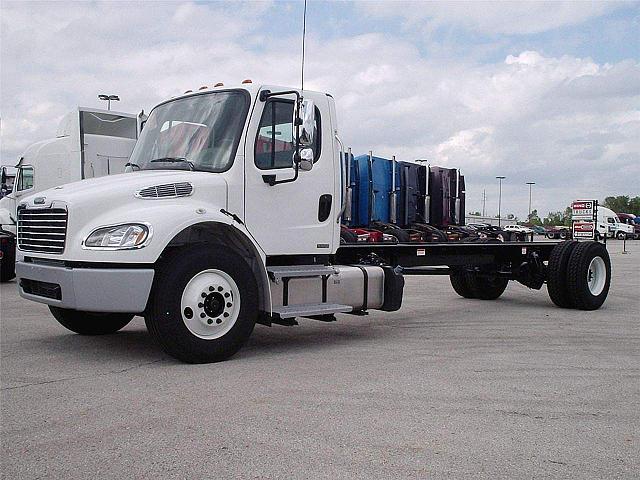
<point x="304" y="34"/>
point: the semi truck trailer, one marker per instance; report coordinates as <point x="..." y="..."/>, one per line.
<point x="232" y="216"/>
<point x="89" y="143"/>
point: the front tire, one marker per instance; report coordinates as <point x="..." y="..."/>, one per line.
<point x="204" y="304"/>
<point x="90" y="323"/>
<point x="621" y="235"/>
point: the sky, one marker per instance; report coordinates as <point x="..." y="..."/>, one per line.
<point x="545" y="92"/>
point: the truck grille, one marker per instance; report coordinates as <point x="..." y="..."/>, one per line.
<point x="42" y="229"/>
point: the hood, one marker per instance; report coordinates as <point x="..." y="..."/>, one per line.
<point x="113" y="190"/>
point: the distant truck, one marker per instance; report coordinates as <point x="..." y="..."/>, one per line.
<point x="89" y="143"/>
<point x="610" y="225"/>
<point x="630" y="220"/>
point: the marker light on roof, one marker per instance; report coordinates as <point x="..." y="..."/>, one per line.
<point x="247" y="81"/>
<point x="189" y="91"/>
<point x="204" y="87"/>
<point x="219" y="84"/>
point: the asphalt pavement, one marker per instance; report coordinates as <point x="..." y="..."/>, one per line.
<point x="445" y="388"/>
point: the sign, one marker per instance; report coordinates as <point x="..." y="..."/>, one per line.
<point x="583" y="210"/>
<point x="584" y="229"/>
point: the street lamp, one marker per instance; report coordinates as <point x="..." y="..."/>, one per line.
<point x="108" y="99"/>
<point x="530" y="185"/>
<point x="500" y="178"/>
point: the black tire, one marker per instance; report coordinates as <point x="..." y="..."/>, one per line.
<point x="401" y="235"/>
<point x="8" y="262"/>
<point x="579" y="271"/>
<point x="459" y="282"/>
<point x="165" y="321"/>
<point x="563" y="234"/>
<point x="557" y="274"/>
<point x="90" y="323"/>
<point x="486" y="287"/>
<point x="621" y="235"/>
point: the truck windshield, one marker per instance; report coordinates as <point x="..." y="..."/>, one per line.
<point x="203" y="131"/>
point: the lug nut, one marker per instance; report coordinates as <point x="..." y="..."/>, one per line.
<point x="226" y="295"/>
<point x="200" y="305"/>
<point x="202" y="315"/>
<point x="211" y="289"/>
<point x="203" y="295"/>
<point x="225" y="314"/>
<point x="218" y="321"/>
<point x="209" y="321"/>
<point x="220" y="289"/>
<point x="229" y="305"/>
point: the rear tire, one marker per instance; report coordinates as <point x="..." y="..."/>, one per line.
<point x="557" y="274"/>
<point x="459" y="282"/>
<point x="589" y="275"/>
<point x="486" y="287"/>
<point x="90" y="323"/>
<point x="204" y="304"/>
<point x="621" y="235"/>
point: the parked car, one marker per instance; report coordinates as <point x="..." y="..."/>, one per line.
<point x="537" y="229"/>
<point x="517" y="229"/>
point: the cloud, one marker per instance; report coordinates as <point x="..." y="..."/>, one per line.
<point x="569" y="123"/>
<point x="494" y="18"/>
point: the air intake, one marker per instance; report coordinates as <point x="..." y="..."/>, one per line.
<point x="168" y="190"/>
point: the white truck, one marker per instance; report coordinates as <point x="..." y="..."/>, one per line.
<point x="609" y="225"/>
<point x="89" y="143"/>
<point x="232" y="217"/>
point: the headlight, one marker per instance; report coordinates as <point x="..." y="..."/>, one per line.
<point x="118" y="237"/>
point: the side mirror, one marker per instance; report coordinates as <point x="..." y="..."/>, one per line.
<point x="306" y="119"/>
<point x="4" y="176"/>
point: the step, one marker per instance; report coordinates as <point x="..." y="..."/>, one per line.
<point x="277" y="273"/>
<point x="291" y="311"/>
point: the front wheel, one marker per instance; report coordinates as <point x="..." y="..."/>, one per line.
<point x="621" y="235"/>
<point x="588" y="275"/>
<point x="204" y="304"/>
<point x="90" y="323"/>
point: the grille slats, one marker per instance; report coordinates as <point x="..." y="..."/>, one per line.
<point x="42" y="229"/>
<point x="167" y="190"/>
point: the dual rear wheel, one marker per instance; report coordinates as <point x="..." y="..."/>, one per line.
<point x="579" y="275"/>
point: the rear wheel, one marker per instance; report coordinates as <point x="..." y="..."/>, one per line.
<point x="589" y="275"/>
<point x="204" y="304"/>
<point x="621" y="235"/>
<point x="90" y="323"/>
<point x="557" y="274"/>
<point x="459" y="282"/>
<point x="487" y="287"/>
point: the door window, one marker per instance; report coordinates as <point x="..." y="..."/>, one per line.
<point x="25" y="178"/>
<point x="275" y="143"/>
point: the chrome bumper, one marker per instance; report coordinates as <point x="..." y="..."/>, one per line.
<point x="86" y="289"/>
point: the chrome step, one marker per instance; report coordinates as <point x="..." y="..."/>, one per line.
<point x="291" y="311"/>
<point x="290" y="271"/>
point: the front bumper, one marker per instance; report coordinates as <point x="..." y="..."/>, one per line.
<point x="87" y="289"/>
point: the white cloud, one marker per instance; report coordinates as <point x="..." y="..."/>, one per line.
<point x="570" y="124"/>
<point x="492" y="18"/>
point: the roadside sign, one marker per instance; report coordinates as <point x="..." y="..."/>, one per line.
<point x="583" y="229"/>
<point x="583" y="210"/>
<point x="584" y="214"/>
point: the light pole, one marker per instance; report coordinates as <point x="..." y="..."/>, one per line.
<point x="500" y="178"/>
<point x="108" y="99"/>
<point x="530" y="185"/>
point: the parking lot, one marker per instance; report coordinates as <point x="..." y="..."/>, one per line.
<point x="447" y="387"/>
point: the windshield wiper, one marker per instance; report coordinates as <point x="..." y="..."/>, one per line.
<point x="174" y="160"/>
